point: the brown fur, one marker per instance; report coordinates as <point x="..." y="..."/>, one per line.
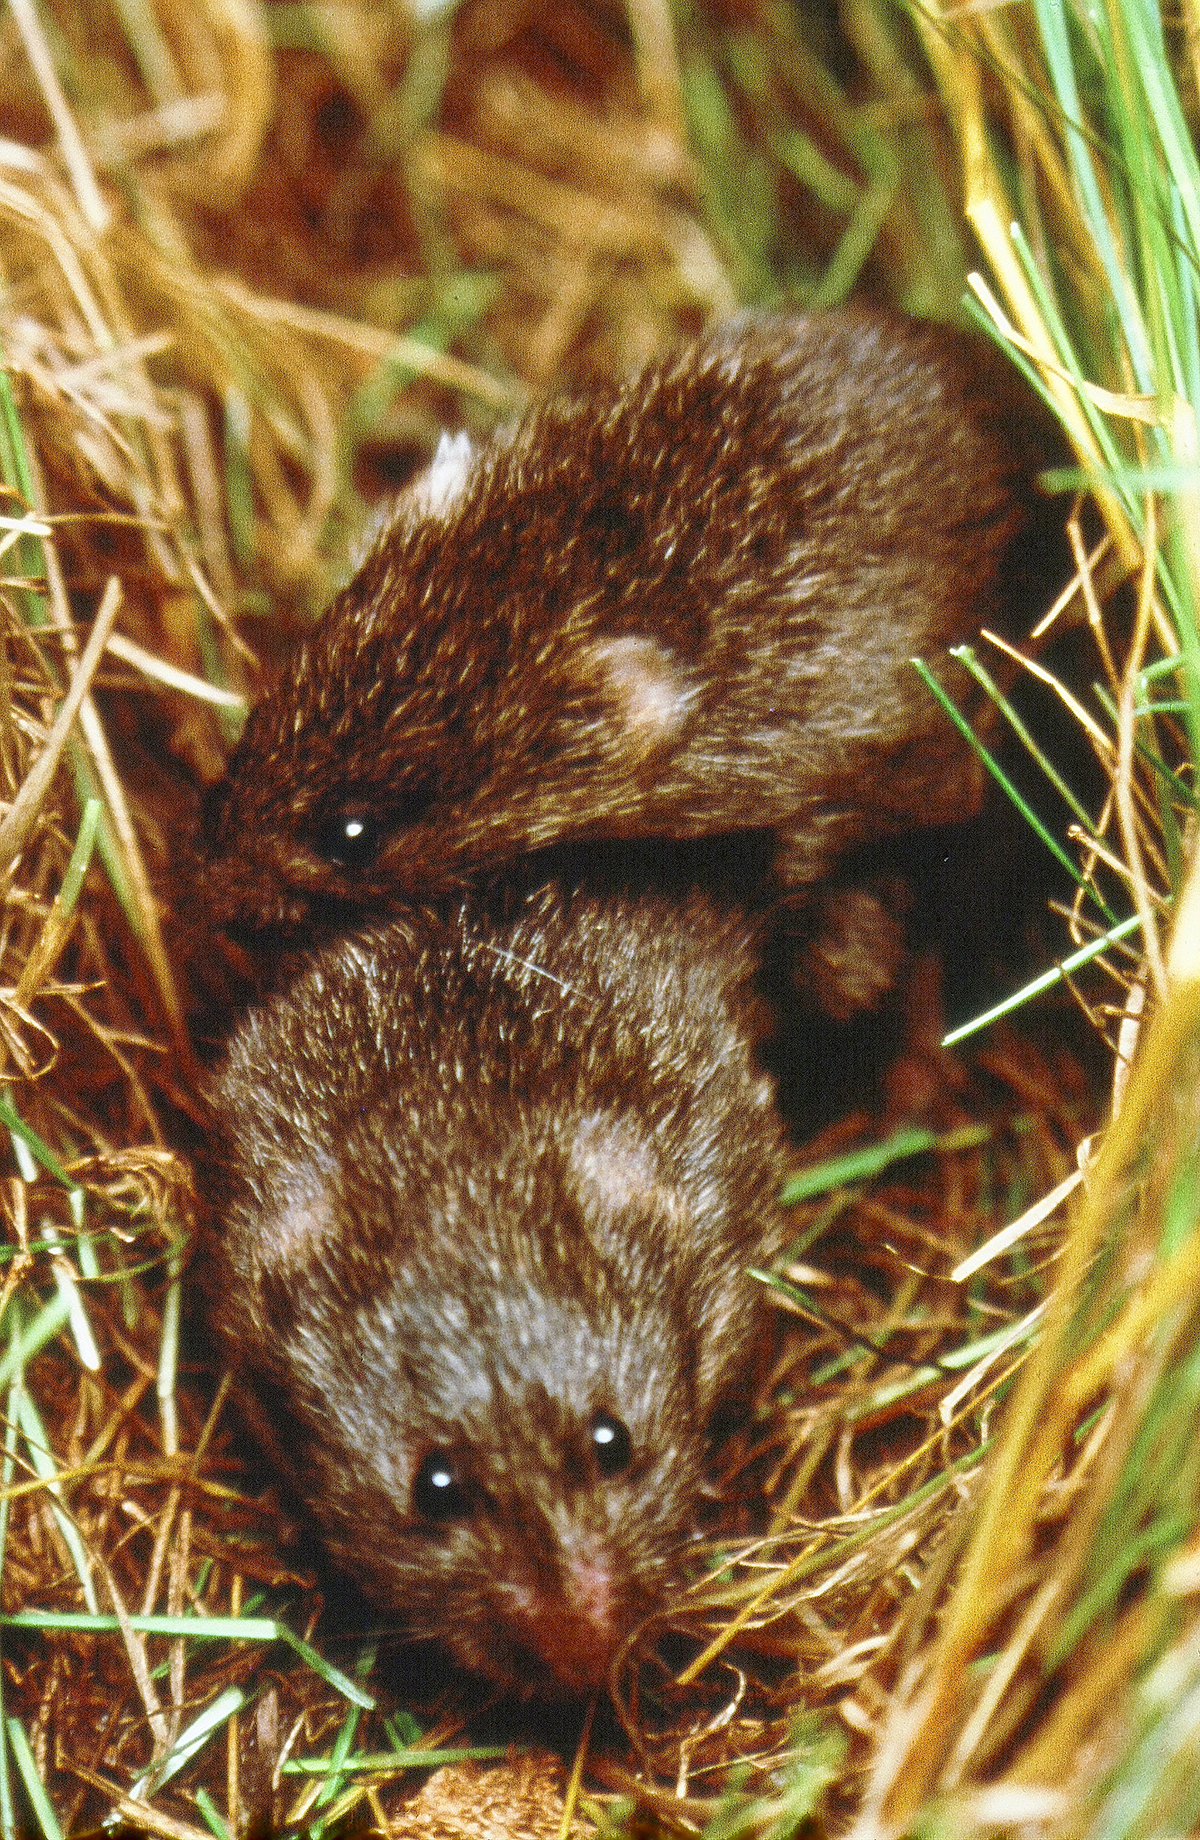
<point x="476" y="1182"/>
<point x="676" y="607"/>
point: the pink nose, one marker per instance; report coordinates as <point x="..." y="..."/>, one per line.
<point x="573" y="1630"/>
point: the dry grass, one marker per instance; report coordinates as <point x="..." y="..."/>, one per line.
<point x="253" y="255"/>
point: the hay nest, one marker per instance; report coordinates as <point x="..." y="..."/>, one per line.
<point x="254" y="255"/>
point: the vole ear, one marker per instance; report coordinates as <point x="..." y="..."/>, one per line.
<point x="644" y="688"/>
<point x="295" y="1222"/>
<point x="613" y="1166"/>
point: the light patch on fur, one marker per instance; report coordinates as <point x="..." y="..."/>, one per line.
<point x="444" y="480"/>
<point x="613" y="1168"/>
<point x="291" y="1232"/>
<point x="645" y="688"/>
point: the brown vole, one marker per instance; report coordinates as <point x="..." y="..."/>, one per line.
<point x="486" y="1192"/>
<point x="675" y="607"/>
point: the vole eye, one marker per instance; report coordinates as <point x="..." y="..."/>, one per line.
<point x="351" y="838"/>
<point x="439" y="1491"/>
<point x="611" y="1443"/>
<point x="348" y="841"/>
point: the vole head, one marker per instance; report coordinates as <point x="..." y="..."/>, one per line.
<point x="460" y="703"/>
<point x="493" y="1369"/>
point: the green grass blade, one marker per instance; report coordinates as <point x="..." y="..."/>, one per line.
<point x="862" y="1165"/>
<point x="1046" y="981"/>
<point x="38" y="1799"/>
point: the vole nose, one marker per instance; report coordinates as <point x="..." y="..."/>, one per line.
<point x="572" y="1627"/>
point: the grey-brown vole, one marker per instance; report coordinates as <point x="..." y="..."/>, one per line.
<point x="674" y="607"/>
<point x="486" y="1191"/>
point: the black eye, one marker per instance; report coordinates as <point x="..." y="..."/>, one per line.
<point x="611" y="1444"/>
<point x="348" y="841"/>
<point x="439" y="1491"/>
<point x="351" y="838"/>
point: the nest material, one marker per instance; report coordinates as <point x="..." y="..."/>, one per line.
<point x="238" y="242"/>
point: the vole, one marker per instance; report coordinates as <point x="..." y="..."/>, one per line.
<point x="678" y="606"/>
<point x="485" y="1190"/>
